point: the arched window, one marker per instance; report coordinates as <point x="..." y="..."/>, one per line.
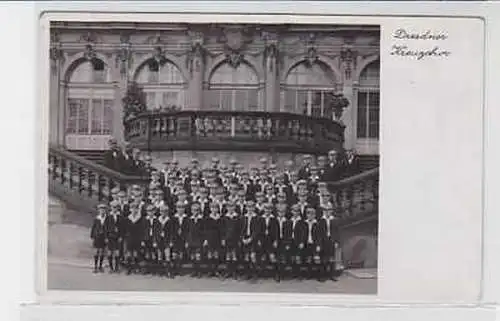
<point x="234" y="88"/>
<point x="163" y="84"/>
<point x="368" y="120"/>
<point x="305" y="88"/>
<point x="89" y="107"/>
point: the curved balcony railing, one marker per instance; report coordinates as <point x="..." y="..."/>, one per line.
<point x="233" y="130"/>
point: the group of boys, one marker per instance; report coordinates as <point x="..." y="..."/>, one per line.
<point x="223" y="221"/>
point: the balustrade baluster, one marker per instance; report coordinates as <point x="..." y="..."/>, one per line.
<point x="81" y="177"/>
<point x="90" y="183"/>
<point x="233" y="126"/>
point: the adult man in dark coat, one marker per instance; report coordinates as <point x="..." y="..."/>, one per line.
<point x="113" y="156"/>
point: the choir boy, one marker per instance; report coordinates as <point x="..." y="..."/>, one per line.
<point x="250" y="239"/>
<point x="98" y="236"/>
<point x="197" y="247"/>
<point x="331" y="241"/>
<point x="270" y="237"/>
<point x="232" y="229"/>
<point x="114" y="229"/>
<point x="213" y="233"/>
<point x="314" y="242"/>
<point x="151" y="238"/>
<point x="284" y="239"/>
<point x="299" y="231"/>
<point x="134" y="230"/>
<point x="165" y="243"/>
<point x="204" y="201"/>
<point x="181" y="240"/>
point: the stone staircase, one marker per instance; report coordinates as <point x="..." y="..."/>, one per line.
<point x="92" y="155"/>
<point x="368" y="162"/>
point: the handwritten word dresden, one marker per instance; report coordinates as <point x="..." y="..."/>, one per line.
<point x="419" y="54"/>
<point x="403" y="34"/>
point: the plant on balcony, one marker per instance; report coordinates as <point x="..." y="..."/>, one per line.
<point x="336" y="103"/>
<point x="134" y="101"/>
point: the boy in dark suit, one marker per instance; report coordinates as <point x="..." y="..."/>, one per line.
<point x="98" y="236"/>
<point x="270" y="238"/>
<point x="284" y="239"/>
<point x="114" y="235"/>
<point x="232" y="229"/>
<point x="165" y="244"/>
<point x="252" y="229"/>
<point x="196" y="239"/>
<point x="181" y="238"/>
<point x="299" y="230"/>
<point x="314" y="243"/>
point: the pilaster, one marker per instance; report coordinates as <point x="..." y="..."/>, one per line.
<point x="195" y="61"/>
<point x="271" y="56"/>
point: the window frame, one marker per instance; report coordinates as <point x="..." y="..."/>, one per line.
<point x="369" y="86"/>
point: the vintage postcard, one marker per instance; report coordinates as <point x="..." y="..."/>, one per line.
<point x="193" y="154"/>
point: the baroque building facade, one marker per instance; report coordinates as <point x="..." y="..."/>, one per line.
<point x="190" y="67"/>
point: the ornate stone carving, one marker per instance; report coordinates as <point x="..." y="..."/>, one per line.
<point x="89" y="37"/>
<point x="347" y="59"/>
<point x="159" y="55"/>
<point x="196" y="55"/>
<point x="235" y="39"/>
<point x="312" y="55"/>
<point x="124" y="54"/>
<point x="271" y="51"/>
<point x="89" y="52"/>
<point x="56" y="56"/>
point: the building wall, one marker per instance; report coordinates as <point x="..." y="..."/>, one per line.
<point x="272" y="51"/>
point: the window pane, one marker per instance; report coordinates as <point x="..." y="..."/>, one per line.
<point x="73" y="106"/>
<point x="226" y="100"/>
<point x="253" y="100"/>
<point x="213" y="102"/>
<point x="302" y="101"/>
<point x="150" y="100"/>
<point x="290" y="100"/>
<point x="83" y="117"/>
<point x="169" y="73"/>
<point x="316" y="75"/>
<point x="362" y="114"/>
<point x="97" y="117"/>
<point x="170" y="99"/>
<point x="241" y="100"/>
<point x="374" y="114"/>
<point x="108" y="117"/>
<point x="316" y="102"/>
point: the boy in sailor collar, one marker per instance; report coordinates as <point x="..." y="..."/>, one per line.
<point x="281" y="187"/>
<point x="134" y="231"/>
<point x="260" y="199"/>
<point x="324" y="197"/>
<point x="331" y="241"/>
<point x="251" y="243"/>
<point x="239" y="170"/>
<point x="247" y="186"/>
<point x="281" y="199"/>
<point x="263" y="180"/>
<point x="151" y="238"/>
<point x="299" y="238"/>
<point x="270" y="196"/>
<point x="204" y="201"/>
<point x="270" y="237"/>
<point x="195" y="165"/>
<point x="232" y="229"/>
<point x="314" y="243"/>
<point x="182" y="197"/>
<point x="213" y="238"/>
<point x="284" y="239"/>
<point x="240" y="204"/>
<point x="263" y="163"/>
<point x="254" y="175"/>
<point x="219" y="200"/>
<point x="273" y="173"/>
<point x="215" y="165"/>
<point x="174" y="168"/>
<point x="181" y="240"/>
<point x="194" y="190"/>
<point x="159" y="201"/>
<point x="114" y="194"/>
<point x="114" y="229"/>
<point x="233" y="163"/>
<point x="233" y="192"/>
<point x="312" y="181"/>
<point x="197" y="238"/>
<point x="302" y="202"/>
<point x="165" y="243"/>
<point x="123" y="202"/>
<point x="98" y="236"/>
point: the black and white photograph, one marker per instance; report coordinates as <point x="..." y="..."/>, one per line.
<point x="213" y="157"/>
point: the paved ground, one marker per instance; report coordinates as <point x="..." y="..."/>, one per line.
<point x="70" y="262"/>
